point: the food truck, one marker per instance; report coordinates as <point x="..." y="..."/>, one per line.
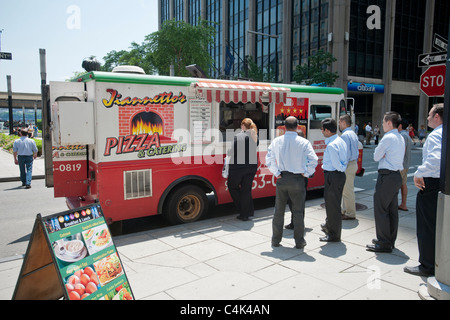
<point x="141" y="145"/>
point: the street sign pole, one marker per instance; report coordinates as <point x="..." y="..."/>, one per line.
<point x="10" y="109"/>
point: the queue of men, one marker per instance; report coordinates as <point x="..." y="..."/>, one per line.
<point x="292" y="159"/>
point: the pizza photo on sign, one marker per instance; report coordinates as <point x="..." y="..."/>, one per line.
<point x="108" y="268"/>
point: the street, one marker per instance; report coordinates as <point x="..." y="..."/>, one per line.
<point x="19" y="207"/>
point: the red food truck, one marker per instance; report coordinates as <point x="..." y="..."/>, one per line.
<point x="143" y="145"/>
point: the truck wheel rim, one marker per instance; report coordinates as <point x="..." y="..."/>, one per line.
<point x="189" y="207"/>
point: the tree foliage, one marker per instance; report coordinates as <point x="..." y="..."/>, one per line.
<point x="257" y="73"/>
<point x="316" y="71"/>
<point x="177" y="43"/>
<point x="180" y="44"/>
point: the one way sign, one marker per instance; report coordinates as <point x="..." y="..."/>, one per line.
<point x="431" y="59"/>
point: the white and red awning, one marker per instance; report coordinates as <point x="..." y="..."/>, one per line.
<point x="239" y="92"/>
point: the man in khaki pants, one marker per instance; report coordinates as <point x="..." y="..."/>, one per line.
<point x="348" y="206"/>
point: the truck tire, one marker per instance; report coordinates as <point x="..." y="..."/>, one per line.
<point x="185" y="204"/>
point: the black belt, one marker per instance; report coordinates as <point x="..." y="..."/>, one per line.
<point x="290" y="173"/>
<point x="387" y="171"/>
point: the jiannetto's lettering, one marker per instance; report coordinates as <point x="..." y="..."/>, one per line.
<point x="164" y="98"/>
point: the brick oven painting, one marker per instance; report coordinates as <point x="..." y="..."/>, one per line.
<point x="135" y="120"/>
<point x="147" y="122"/>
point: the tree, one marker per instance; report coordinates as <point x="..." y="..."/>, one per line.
<point x="316" y="71"/>
<point x="139" y="55"/>
<point x="257" y="74"/>
<point x="180" y="44"/>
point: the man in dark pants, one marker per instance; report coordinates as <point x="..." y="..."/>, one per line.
<point x="334" y="166"/>
<point x="389" y="153"/>
<point x="291" y="159"/>
<point x="426" y="178"/>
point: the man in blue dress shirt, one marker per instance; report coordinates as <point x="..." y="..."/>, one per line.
<point x="334" y="166"/>
<point x="25" y="150"/>
<point x="291" y="159"/>
<point x="426" y="178"/>
<point x="348" y="194"/>
<point x="389" y="153"/>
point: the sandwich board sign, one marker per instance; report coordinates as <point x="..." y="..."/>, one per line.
<point x="72" y="255"/>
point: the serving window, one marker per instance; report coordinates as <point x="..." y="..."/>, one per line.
<point x="231" y="115"/>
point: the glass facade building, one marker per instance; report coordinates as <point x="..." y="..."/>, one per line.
<point x="284" y="33"/>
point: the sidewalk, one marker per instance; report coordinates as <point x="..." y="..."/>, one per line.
<point x="10" y="172"/>
<point x="227" y="259"/>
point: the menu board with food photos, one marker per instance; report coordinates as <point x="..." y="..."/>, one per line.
<point x="84" y="255"/>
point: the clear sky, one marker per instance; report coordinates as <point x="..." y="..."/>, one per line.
<point x="69" y="31"/>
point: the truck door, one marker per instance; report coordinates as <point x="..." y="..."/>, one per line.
<point x="72" y="129"/>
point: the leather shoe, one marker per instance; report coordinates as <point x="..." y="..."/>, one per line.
<point x="289" y="226"/>
<point x="324" y="228"/>
<point x="275" y="244"/>
<point x="301" y="245"/>
<point x="327" y="238"/>
<point x="417" y="271"/>
<point x="375" y="241"/>
<point x="378" y="248"/>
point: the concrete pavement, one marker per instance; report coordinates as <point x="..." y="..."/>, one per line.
<point x="227" y="259"/>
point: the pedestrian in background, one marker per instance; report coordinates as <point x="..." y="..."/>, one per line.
<point x="291" y="159"/>
<point x="242" y="168"/>
<point x="368" y="129"/>
<point x="406" y="160"/>
<point x="25" y="151"/>
<point x="348" y="207"/>
<point x="376" y="134"/>
<point x="411" y="133"/>
<point x="389" y="154"/>
<point x="422" y="132"/>
<point x="334" y="165"/>
<point x="426" y="178"/>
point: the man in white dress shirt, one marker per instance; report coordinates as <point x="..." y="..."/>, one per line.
<point x="426" y="178"/>
<point x="291" y="159"/>
<point x="389" y="153"/>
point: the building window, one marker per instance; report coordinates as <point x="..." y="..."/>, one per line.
<point x="214" y="14"/>
<point x="309" y="29"/>
<point x="165" y="11"/>
<point x="194" y="8"/>
<point x="408" y="39"/>
<point x="269" y="20"/>
<point x="238" y="26"/>
<point x="178" y="10"/>
<point x="366" y="46"/>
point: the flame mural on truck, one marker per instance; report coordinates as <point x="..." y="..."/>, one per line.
<point x="147" y="122"/>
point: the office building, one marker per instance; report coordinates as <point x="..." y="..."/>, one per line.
<point x="376" y="44"/>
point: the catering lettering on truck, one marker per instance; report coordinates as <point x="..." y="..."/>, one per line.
<point x="141" y="145"/>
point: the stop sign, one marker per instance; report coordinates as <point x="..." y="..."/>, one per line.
<point x="432" y="81"/>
